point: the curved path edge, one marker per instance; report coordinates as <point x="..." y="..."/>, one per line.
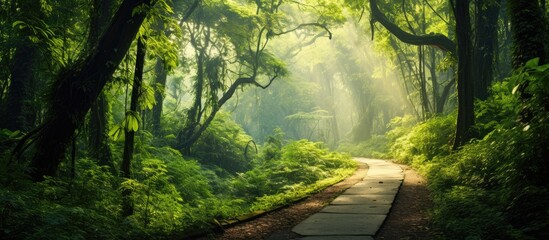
<point x="359" y="212"/>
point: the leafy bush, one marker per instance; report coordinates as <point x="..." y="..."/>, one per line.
<point x="471" y="213"/>
<point x="375" y="147"/>
<point x="84" y="208"/>
<point x="424" y="141"/>
<point x="171" y="196"/>
<point x="298" y="172"/>
<point x="223" y="144"/>
<point x="495" y="187"/>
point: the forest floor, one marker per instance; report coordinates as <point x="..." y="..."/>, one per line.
<point x="408" y="218"/>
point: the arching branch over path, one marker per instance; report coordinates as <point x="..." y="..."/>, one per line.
<point x="437" y="40"/>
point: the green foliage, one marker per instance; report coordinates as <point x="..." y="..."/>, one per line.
<point x="471" y="213"/>
<point x="375" y="147"/>
<point x="84" y="208"/>
<point x="300" y="170"/>
<point x="272" y="149"/>
<point x="170" y="195"/>
<point x="425" y="140"/>
<point x="222" y="144"/>
<point x="495" y="187"/>
<point x="157" y="204"/>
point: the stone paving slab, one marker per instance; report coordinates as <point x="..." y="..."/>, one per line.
<point x="387" y="189"/>
<point x="377" y="182"/>
<point x="322" y="224"/>
<point x="338" y="238"/>
<point x="359" y="212"/>
<point x="382" y="174"/>
<point x="364" y="199"/>
<point x="377" y="171"/>
<point x="385" y="177"/>
<point x="357" y="209"/>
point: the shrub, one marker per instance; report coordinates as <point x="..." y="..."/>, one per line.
<point x="424" y="141"/>
<point x="223" y="144"/>
<point x="302" y="165"/>
<point x="494" y="187"/>
<point x="375" y="147"/>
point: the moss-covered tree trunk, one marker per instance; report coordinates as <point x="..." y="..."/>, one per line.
<point x="98" y="145"/>
<point x="530" y="198"/>
<point x="529" y="31"/>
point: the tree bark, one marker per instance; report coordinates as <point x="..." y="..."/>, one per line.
<point x="76" y="89"/>
<point x="98" y="146"/>
<point x="466" y="117"/>
<point x="98" y="141"/>
<point x="160" y="80"/>
<point x="127" y="157"/>
<point x="426" y="105"/>
<point x="444" y="95"/>
<point x="487" y="14"/>
<point x="528" y="27"/>
<point x="434" y="81"/>
<point x="19" y="114"/>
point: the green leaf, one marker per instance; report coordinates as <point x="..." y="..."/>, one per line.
<point x="532" y="63"/>
<point x="15" y="134"/>
<point x="515" y="89"/>
<point x="115" y="132"/>
<point x="131" y="122"/>
<point x="21" y="24"/>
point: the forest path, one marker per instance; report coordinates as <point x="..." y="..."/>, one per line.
<point x="360" y="211"/>
<point x="408" y="218"/>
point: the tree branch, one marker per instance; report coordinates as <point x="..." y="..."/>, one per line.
<point x="437" y="40"/>
<point x="323" y="26"/>
<point x="435" y="11"/>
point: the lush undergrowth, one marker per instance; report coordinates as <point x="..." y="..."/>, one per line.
<point x="375" y="147"/>
<point x="172" y="195"/>
<point x="494" y="187"/>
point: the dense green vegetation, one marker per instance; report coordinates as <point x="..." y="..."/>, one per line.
<point x="125" y="119"/>
<point x="171" y="195"/>
<point x="495" y="186"/>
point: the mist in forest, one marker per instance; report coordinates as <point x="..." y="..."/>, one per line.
<point x="339" y="89"/>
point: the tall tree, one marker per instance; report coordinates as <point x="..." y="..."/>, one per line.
<point x="466" y="117"/>
<point x="222" y="36"/>
<point x="162" y="67"/>
<point x="529" y="31"/>
<point x="76" y="88"/>
<point x="160" y="80"/>
<point x="463" y="51"/>
<point x="132" y="123"/>
<point x="99" y="149"/>
<point x="19" y="114"/>
<point x="486" y="18"/>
